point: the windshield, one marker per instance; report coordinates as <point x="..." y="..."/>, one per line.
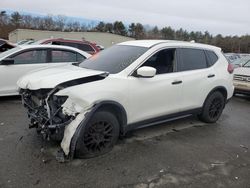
<point x="8" y="52"/>
<point x="242" y="60"/>
<point x="247" y="64"/>
<point x="114" y="59"/>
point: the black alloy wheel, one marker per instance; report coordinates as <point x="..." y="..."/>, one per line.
<point x="213" y="107"/>
<point x="98" y="136"/>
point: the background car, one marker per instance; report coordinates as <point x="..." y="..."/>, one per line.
<point x="25" y="42"/>
<point x="5" y="45"/>
<point x="86" y="46"/>
<point x="242" y="79"/>
<point x="241" y="61"/>
<point x="18" y="61"/>
<point x="231" y="57"/>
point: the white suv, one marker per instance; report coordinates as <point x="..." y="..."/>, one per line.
<point x="127" y="86"/>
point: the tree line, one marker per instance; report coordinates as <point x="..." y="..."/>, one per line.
<point x="10" y="22"/>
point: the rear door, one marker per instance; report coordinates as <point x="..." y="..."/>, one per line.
<point x="198" y="77"/>
<point x="24" y="62"/>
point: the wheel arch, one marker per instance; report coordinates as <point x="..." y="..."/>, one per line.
<point x="221" y="89"/>
<point x="117" y="109"/>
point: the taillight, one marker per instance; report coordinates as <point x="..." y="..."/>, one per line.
<point x="230" y="68"/>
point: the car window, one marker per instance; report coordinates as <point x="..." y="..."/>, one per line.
<point x="211" y="57"/>
<point x="162" y="61"/>
<point x="114" y="59"/>
<point x="191" y="59"/>
<point x="56" y="43"/>
<point x="30" y="57"/>
<point x="80" y="57"/>
<point x="247" y="64"/>
<point x="71" y="44"/>
<point x="63" y="56"/>
<point x="86" y="48"/>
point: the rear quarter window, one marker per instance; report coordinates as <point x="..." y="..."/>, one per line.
<point x="212" y="58"/>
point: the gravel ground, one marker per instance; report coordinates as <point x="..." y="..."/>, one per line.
<point x="183" y="153"/>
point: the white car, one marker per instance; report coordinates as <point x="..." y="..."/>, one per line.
<point x="242" y="78"/>
<point x="127" y="86"/>
<point x="20" y="60"/>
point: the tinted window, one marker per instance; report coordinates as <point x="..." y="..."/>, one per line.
<point x="114" y="59"/>
<point x="56" y="43"/>
<point x="80" y="58"/>
<point x="75" y="45"/>
<point x="63" y="56"/>
<point x="162" y="61"/>
<point x="85" y="47"/>
<point x="191" y="59"/>
<point x="31" y="57"/>
<point x="212" y="57"/>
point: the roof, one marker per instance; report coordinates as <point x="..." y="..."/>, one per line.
<point x="54" y="46"/>
<point x="151" y="43"/>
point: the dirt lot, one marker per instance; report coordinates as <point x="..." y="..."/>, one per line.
<point x="184" y="153"/>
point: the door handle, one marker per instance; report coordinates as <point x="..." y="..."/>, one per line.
<point x="176" y="82"/>
<point x="211" y="76"/>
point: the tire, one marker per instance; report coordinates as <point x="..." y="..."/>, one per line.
<point x="212" y="108"/>
<point x="98" y="136"/>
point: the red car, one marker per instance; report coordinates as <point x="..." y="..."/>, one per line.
<point x="86" y="46"/>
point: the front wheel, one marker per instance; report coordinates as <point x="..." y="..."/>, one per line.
<point x="98" y="136"/>
<point x="213" y="107"/>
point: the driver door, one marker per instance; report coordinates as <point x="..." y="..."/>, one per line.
<point x="158" y="96"/>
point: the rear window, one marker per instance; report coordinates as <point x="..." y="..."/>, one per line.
<point x="191" y="59"/>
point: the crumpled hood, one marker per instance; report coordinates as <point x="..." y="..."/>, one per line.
<point x="242" y="71"/>
<point x="51" y="77"/>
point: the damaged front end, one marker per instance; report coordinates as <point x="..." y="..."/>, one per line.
<point x="57" y="116"/>
<point x="45" y="112"/>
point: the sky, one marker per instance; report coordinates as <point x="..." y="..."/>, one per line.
<point x="226" y="17"/>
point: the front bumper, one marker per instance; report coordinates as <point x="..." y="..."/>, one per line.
<point x="241" y="87"/>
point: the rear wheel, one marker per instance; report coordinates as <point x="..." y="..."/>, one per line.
<point x="98" y="136"/>
<point x="213" y="107"/>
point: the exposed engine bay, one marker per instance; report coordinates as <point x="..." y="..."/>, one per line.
<point x="45" y="112"/>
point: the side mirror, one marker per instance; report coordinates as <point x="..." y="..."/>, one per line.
<point x="146" y="72"/>
<point x="7" y="61"/>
